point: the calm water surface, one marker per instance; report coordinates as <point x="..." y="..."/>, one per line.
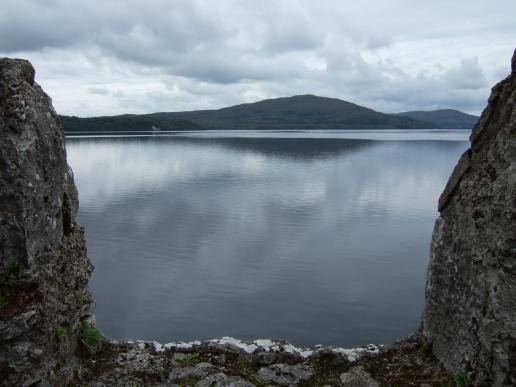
<point x="317" y="237"/>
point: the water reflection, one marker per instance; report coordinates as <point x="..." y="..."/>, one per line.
<point x="315" y="240"/>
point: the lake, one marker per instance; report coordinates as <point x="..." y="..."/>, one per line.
<point x="316" y="237"/>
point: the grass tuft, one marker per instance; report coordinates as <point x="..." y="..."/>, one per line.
<point x="90" y="336"/>
<point x="13" y="269"/>
<point x="82" y="295"/>
<point x="462" y="380"/>
<point x="262" y="382"/>
<point x="61" y="331"/>
<point x="190" y="360"/>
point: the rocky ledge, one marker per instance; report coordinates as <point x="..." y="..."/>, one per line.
<point x="229" y="362"/>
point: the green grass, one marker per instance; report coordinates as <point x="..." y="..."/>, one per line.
<point x="60" y="330"/>
<point x="190" y="360"/>
<point x="13" y="269"/>
<point x="262" y="382"/>
<point x="82" y="295"/>
<point x="90" y="336"/>
<point x="462" y="380"/>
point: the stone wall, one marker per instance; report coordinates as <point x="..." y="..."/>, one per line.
<point x="470" y="315"/>
<point x="44" y="269"/>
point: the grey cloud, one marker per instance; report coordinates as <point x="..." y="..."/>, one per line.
<point x="30" y="25"/>
<point x="390" y="56"/>
<point x="98" y="90"/>
<point x="288" y="28"/>
<point x="468" y="75"/>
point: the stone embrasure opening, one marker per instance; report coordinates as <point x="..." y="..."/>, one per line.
<point x="42" y="320"/>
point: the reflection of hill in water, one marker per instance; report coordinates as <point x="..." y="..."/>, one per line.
<point x="296" y="148"/>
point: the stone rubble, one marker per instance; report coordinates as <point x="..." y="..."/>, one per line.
<point x="140" y="364"/>
<point x="222" y="380"/>
<point x="357" y="377"/>
<point x="284" y="374"/>
<point x="182" y="373"/>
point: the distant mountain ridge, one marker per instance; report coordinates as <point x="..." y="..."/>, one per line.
<point x="297" y="112"/>
<point x="446" y="118"/>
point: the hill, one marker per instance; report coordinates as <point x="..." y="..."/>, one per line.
<point x="445" y="118"/>
<point x="297" y="112"/>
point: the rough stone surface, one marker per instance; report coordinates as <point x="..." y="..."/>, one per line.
<point x="222" y="380"/>
<point x="136" y="360"/>
<point x="265" y="358"/>
<point x="284" y="374"/>
<point x="513" y="64"/>
<point x="44" y="269"/>
<point x="470" y="314"/>
<point x="357" y="377"/>
<point x="181" y="373"/>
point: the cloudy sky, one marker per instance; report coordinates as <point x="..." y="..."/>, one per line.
<point x="110" y="57"/>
